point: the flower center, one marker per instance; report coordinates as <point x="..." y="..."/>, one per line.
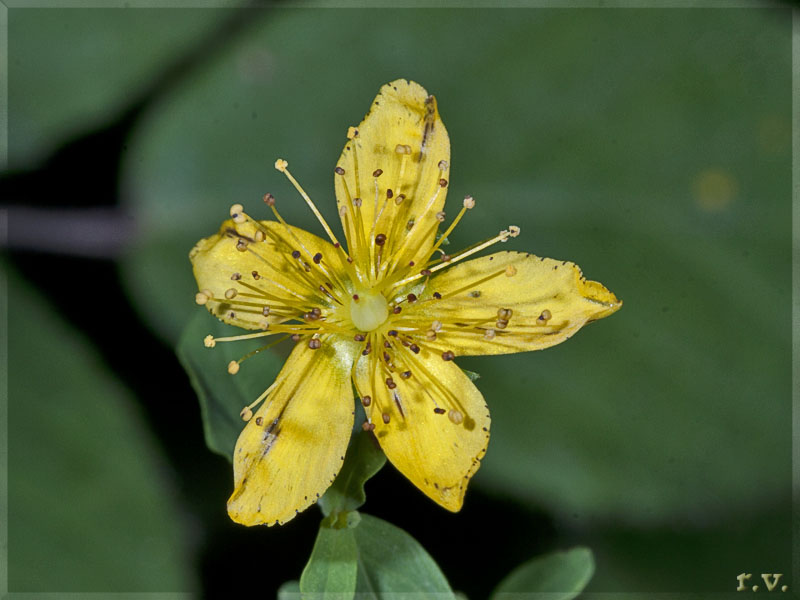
<point x="368" y="310"/>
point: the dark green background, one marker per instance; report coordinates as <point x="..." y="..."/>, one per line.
<point x="650" y="146"/>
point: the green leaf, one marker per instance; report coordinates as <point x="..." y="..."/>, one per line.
<point x="473" y="376"/>
<point x="390" y="561"/>
<point x="364" y="459"/>
<point x="91" y="505"/>
<point x="560" y="575"/>
<point x="222" y="396"/>
<point x="331" y="570"/>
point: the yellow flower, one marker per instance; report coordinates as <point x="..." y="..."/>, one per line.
<point x="385" y="316"/>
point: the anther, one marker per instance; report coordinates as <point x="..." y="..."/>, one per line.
<point x="201" y="298"/>
<point x="443" y="165"/>
<point x="269" y="199"/>
<point x="237" y="213"/>
<point x="255" y="275"/>
<point x="342" y="210"/>
<point x="233" y="367"/>
<point x="410" y="225"/>
<point x="380" y="239"/>
<point x="352" y="132"/>
<point x="366" y="426"/>
<point x="425" y="272"/>
<point x="209" y="341"/>
<point x="230" y="293"/>
<point x="489" y="334"/>
<point x="504" y="313"/>
<point x="296" y="254"/>
<point x="439" y="411"/>
<point x="430" y="335"/>
<point x="367" y="349"/>
<point x="513" y="230"/>
<point x="443" y="182"/>
<point x="399" y="199"/>
<point x="511" y="270"/>
<point x="440" y="216"/>
<point x="455" y="416"/>
<point x="377" y="172"/>
<point x="296" y="337"/>
<point x="390" y="383"/>
<point x="241" y="245"/>
<point x="259" y="236"/>
<point x="448" y="355"/>
<point x="356" y="202"/>
<point x="414" y="348"/>
<point x="392" y="332"/>
<point x="339" y="171"/>
<point x="265" y="311"/>
<point x="246" y="413"/>
<point x="501" y="324"/>
<point x="317" y="258"/>
<point x="469" y="202"/>
<point x="386" y="418"/>
<point x="402" y="149"/>
<point x="386" y="358"/>
<point x="437" y="295"/>
<point x="396" y="310"/>
<point x="411" y="298"/>
<point x="366" y="400"/>
<point x="446" y="257"/>
<point x="259" y="421"/>
<point x="281" y="165"/>
<point x="436" y="325"/>
<point x="314" y="343"/>
<point x="359" y="337"/>
<point x="544" y="317"/>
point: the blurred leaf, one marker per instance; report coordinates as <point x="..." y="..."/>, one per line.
<point x="93" y="60"/>
<point x="392" y="562"/>
<point x="289" y="591"/>
<point x="90" y="506"/>
<point x="331" y="570"/>
<point x="697" y="560"/>
<point x="364" y="459"/>
<point x="222" y="396"/>
<point x="557" y="576"/>
<point x="671" y="190"/>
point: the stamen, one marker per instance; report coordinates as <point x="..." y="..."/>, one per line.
<point x="233" y="367"/>
<point x="455" y="416"/>
<point x="211" y="341"/>
<point x="237" y="213"/>
<point x="500" y="237"/>
<point x="282" y="166"/>
<point x="203" y="297"/>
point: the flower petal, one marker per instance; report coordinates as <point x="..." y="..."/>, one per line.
<point x="292" y="449"/>
<point x="281" y="282"/>
<point x="550" y="300"/>
<point x="404" y="139"/>
<point x="438" y="423"/>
